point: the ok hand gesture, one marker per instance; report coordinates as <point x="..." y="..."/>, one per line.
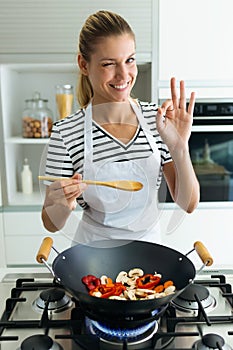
<point x="174" y="120"/>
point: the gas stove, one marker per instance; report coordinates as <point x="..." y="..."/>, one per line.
<point x="37" y="313"/>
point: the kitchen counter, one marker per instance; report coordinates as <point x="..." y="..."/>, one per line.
<point x="21" y="270"/>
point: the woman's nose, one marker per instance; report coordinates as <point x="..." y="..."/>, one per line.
<point x="121" y="71"/>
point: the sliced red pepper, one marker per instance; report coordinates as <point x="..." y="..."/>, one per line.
<point x="119" y="288"/>
<point x="148" y="281"/>
<point x="105" y="291"/>
<point x="108" y="290"/>
<point x="91" y="281"/>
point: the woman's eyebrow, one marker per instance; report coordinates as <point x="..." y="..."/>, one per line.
<point x="113" y="59"/>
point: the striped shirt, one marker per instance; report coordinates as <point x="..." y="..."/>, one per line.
<point x="66" y="145"/>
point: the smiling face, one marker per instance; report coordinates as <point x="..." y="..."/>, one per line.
<point x="112" y="69"/>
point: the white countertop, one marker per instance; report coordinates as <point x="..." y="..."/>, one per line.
<point x="16" y="270"/>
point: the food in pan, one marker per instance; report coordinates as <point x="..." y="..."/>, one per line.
<point x="131" y="285"/>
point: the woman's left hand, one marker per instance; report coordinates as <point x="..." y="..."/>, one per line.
<point x="174" y="120"/>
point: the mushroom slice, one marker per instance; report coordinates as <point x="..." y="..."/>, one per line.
<point x="141" y="293"/>
<point x="122" y="277"/>
<point x="169" y="290"/>
<point x="151" y="296"/>
<point x="97" y="294"/>
<point x="147" y="291"/>
<point x="132" y="287"/>
<point x="104" y="279"/>
<point x="130" y="294"/>
<point x="136" y="272"/>
<point x="160" y="295"/>
<point x="132" y="281"/>
<point x="116" y="297"/>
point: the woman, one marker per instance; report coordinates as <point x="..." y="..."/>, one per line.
<point x="114" y="136"/>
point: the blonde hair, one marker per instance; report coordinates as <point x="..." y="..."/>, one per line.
<point x="99" y="25"/>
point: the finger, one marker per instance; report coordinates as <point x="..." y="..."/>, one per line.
<point x="63" y="183"/>
<point x="80" y="187"/>
<point x="191" y="103"/>
<point x="174" y="93"/>
<point x="77" y="176"/>
<point x="182" y="103"/>
<point x="167" y="105"/>
<point x="160" y="119"/>
<point x="67" y="191"/>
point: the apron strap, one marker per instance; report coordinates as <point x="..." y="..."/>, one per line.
<point x="144" y="125"/>
<point x="88" y="141"/>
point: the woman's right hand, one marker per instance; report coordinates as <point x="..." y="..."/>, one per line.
<point x="65" y="192"/>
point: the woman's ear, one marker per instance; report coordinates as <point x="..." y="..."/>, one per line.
<point x="82" y="63"/>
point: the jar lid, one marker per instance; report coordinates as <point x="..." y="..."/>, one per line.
<point x="36" y="98"/>
<point x="66" y="86"/>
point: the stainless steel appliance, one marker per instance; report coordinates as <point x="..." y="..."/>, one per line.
<point x="37" y="313"/>
<point x="211" y="150"/>
<point x="211" y="146"/>
<point x="213" y="113"/>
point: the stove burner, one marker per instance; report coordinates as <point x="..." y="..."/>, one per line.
<point x="58" y="300"/>
<point x="186" y="301"/>
<point x="40" y="342"/>
<point x="211" y="341"/>
<point x="118" y="335"/>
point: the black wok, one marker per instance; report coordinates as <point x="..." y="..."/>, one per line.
<point x="111" y="257"/>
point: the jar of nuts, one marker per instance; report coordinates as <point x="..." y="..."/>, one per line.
<point x="37" y="118"/>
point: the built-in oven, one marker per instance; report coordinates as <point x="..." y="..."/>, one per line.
<point x="211" y="151"/>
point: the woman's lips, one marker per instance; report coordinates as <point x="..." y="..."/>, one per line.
<point x="120" y="86"/>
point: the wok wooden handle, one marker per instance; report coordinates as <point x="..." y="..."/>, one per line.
<point x="44" y="250"/>
<point x="203" y="253"/>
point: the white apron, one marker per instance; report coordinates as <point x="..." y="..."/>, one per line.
<point x="113" y="213"/>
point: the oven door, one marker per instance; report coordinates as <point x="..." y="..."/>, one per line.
<point x="211" y="150"/>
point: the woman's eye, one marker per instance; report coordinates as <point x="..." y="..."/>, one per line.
<point x="131" y="60"/>
<point x="107" y="64"/>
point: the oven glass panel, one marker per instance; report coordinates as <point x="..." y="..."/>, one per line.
<point x="212" y="158"/>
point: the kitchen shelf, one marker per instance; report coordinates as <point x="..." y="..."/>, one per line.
<point x="21" y="199"/>
<point x="21" y="140"/>
<point x="18" y="83"/>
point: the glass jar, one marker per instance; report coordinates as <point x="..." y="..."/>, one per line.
<point x="37" y="118"/>
<point x="64" y="100"/>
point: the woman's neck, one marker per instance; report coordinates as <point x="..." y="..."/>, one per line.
<point x="114" y="112"/>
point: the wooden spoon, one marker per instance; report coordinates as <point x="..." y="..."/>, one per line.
<point x="124" y="185"/>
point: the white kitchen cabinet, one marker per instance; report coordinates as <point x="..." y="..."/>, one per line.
<point x="53" y="27"/>
<point x="194" y="45"/>
<point x="24" y="233"/>
<point x="212" y="226"/>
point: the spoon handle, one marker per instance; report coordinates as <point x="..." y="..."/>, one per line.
<point x="89" y="182"/>
<point x="102" y="183"/>
<point x="121" y="184"/>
